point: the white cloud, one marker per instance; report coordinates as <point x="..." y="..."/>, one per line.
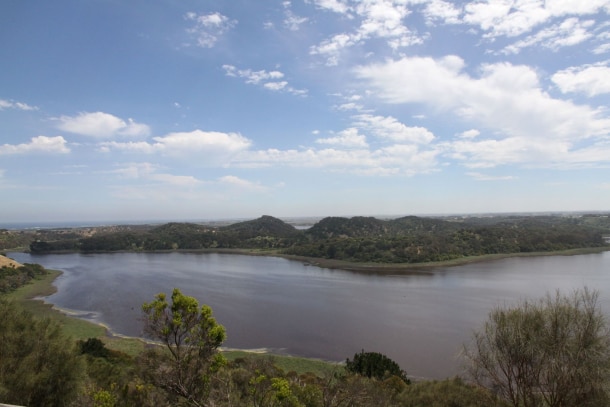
<point x="591" y="79"/>
<point x="512" y="18"/>
<point x="484" y="177"/>
<point x="391" y="129"/>
<point x="391" y="160"/>
<point x="505" y="98"/>
<point x="237" y="182"/>
<point x="208" y="27"/>
<point x="291" y="20"/>
<point x="348" y="138"/>
<point x="381" y="19"/>
<point x="602" y="49"/>
<point x="469" y="134"/>
<point x="176" y="180"/>
<point x="349" y="106"/>
<point x="210" y="146"/>
<point x="526" y="125"/>
<point x="337" y="6"/>
<point x="267" y="79"/>
<point x="252" y="77"/>
<point x="101" y="125"/>
<point x="10" y="104"/>
<point x="40" y="144"/>
<point x="149" y="172"/>
<point x="506" y="17"/>
<point x="570" y="32"/>
<point x="276" y="86"/>
<point x="440" y="10"/>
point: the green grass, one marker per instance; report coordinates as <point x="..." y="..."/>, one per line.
<point x="289" y="363"/>
<point x="72" y="327"/>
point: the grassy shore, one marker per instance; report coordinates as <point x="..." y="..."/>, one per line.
<point x="394" y="268"/>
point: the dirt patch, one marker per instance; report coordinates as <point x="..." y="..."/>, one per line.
<point x="5" y="261"/>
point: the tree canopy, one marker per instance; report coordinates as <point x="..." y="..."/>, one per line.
<point x="552" y="352"/>
<point x="191" y="337"/>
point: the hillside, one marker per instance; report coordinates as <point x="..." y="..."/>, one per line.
<point x="265" y="226"/>
<point x="5" y="261"/>
<point x="408" y="239"/>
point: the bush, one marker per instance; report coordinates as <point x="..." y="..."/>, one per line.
<point x="375" y="365"/>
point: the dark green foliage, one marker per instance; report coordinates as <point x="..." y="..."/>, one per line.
<point x="263" y="226"/>
<point x="94" y="347"/>
<point x="191" y="338"/>
<point x="375" y="365"/>
<point x="12" y="278"/>
<point x="38" y="366"/>
<point x="409" y="239"/>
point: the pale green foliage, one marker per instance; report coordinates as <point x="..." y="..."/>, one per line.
<point x="551" y="352"/>
<point x="192" y="337"/>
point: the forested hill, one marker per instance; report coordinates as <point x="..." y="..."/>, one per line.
<point x="369" y="227"/>
<point x="408" y="239"/>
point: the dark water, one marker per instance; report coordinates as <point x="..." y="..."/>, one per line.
<point x="420" y="321"/>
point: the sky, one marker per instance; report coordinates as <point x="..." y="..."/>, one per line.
<point x="196" y="109"/>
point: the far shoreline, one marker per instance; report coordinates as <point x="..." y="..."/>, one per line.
<point x="359" y="267"/>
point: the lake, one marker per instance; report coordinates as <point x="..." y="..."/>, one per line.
<point x="420" y="321"/>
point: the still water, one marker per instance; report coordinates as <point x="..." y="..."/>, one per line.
<point x="421" y="321"/>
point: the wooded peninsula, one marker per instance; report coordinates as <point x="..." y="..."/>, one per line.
<point x="343" y="242"/>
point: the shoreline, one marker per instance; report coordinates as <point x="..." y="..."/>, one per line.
<point x="366" y="268"/>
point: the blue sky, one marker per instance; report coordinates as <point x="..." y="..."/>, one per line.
<point x="187" y="110"/>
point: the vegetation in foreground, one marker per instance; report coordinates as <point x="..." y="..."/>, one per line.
<point x="406" y="240"/>
<point x="550" y="352"/>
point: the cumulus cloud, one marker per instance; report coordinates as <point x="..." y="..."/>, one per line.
<point x="336" y="6"/>
<point x="592" y="79"/>
<point x="268" y="79"/>
<point x="348" y="138"/>
<point x="391" y="129"/>
<point x="291" y="20"/>
<point x="570" y="32"/>
<point x="101" y="125"/>
<point x="443" y="11"/>
<point x="11" y="104"/>
<point x="40" y="144"/>
<point x="469" y="134"/>
<point x="376" y="20"/>
<point x="396" y="159"/>
<point x="210" y="146"/>
<point x="514" y="18"/>
<point x="528" y="126"/>
<point x="505" y="97"/>
<point x="208" y="28"/>
<point x="240" y="183"/>
<point x="485" y="177"/>
<point x="149" y="172"/>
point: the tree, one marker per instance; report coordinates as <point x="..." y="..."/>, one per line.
<point x="191" y="337"/>
<point x="38" y="365"/>
<point x="550" y="352"/>
<point x="375" y="365"/>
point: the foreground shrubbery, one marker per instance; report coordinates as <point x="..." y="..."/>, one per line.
<point x="38" y="366"/>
